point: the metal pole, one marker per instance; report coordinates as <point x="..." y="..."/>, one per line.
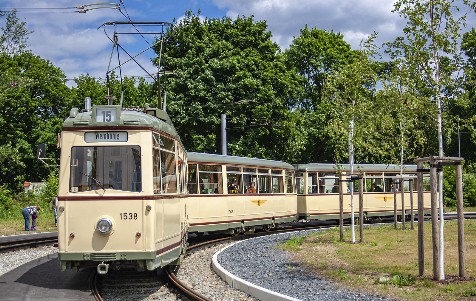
<point x="361" y="208"/>
<point x="351" y="161"/>
<point x="421" y="220"/>
<point x="412" y="215"/>
<point x="459" y="206"/>
<point x="341" y="210"/>
<point x="223" y="135"/>
<point x="395" y="217"/>
<point x="402" y="191"/>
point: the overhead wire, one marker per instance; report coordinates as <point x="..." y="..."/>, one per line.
<point x="76" y="9"/>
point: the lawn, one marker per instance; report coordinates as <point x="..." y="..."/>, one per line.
<point x="386" y="263"/>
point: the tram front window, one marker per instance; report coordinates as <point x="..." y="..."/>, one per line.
<point x="105" y="167"/>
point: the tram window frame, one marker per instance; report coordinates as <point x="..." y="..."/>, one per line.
<point x="299" y="179"/>
<point x="289" y="182"/>
<point x="277" y="184"/>
<point x="376" y="178"/>
<point x="313" y="183"/>
<point x="389" y="182"/>
<point x="250" y="176"/>
<point x="233" y="175"/>
<point x="156" y="175"/>
<point x="103" y="172"/>
<point x="264" y="181"/>
<point x="213" y="173"/>
<point x="169" y="173"/>
<point x="192" y="176"/>
<point x="328" y="186"/>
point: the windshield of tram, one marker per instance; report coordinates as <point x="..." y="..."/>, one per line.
<point x="105" y="167"/>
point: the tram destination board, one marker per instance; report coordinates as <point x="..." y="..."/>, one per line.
<point x="92" y="137"/>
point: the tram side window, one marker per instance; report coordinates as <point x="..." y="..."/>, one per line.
<point x="210" y="179"/>
<point x="289" y="182"/>
<point x="313" y="184"/>
<point x="234" y="183"/>
<point x="389" y="184"/>
<point x="182" y="167"/>
<point x="374" y="183"/>
<point x="300" y="183"/>
<point x="192" y="178"/>
<point x="169" y="178"/>
<point x="328" y="182"/>
<point x="277" y="184"/>
<point x="156" y="171"/>
<point x="250" y="180"/>
<point x="264" y="181"/>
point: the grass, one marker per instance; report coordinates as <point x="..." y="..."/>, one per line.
<point x="387" y="262"/>
<point x="15" y="226"/>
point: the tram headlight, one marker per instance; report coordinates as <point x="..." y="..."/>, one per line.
<point x="104" y="225"/>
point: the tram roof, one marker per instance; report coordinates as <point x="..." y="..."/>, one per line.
<point x="235" y="160"/>
<point x="357" y="167"/>
<point x="152" y="118"/>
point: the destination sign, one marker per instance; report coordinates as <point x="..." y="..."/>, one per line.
<point x="105" y="137"/>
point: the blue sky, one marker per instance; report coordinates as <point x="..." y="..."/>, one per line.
<point x="72" y="41"/>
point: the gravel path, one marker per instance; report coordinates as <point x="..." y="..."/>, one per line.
<point x="259" y="261"/>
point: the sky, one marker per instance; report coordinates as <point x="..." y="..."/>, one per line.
<point x="77" y="43"/>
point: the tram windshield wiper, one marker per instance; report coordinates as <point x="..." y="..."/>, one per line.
<point x="95" y="180"/>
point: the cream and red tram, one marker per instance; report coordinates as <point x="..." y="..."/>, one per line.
<point x="121" y="189"/>
<point x="236" y="194"/>
<point x="317" y="186"/>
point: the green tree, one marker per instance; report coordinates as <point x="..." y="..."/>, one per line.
<point x="465" y="106"/>
<point x="314" y="55"/>
<point x="429" y="53"/>
<point x="14" y="34"/>
<point x="352" y="114"/>
<point x="136" y="92"/>
<point x="33" y="101"/>
<point x="231" y="67"/>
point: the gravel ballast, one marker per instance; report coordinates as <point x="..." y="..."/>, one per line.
<point x="261" y="262"/>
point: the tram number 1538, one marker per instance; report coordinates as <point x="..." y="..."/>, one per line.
<point x="128" y="215"/>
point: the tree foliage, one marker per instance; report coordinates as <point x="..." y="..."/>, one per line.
<point x="224" y="66"/>
<point x="134" y="92"/>
<point x="14" y="34"/>
<point x="33" y="101"/>
<point x="428" y="53"/>
<point x="314" y="55"/>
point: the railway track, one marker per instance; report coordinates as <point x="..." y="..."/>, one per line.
<point x="28" y="241"/>
<point x="152" y="285"/>
<point x="133" y="285"/>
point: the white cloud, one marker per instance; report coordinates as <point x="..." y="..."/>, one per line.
<point x="354" y="19"/>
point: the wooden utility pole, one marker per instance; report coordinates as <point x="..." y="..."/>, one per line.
<point x="395" y="216"/>
<point x="402" y="192"/>
<point x="361" y="208"/>
<point x="341" y="209"/>
<point x="421" y="220"/>
<point x="412" y="215"/>
<point x="459" y="207"/>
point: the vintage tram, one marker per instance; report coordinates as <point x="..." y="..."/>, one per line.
<point x="237" y="194"/>
<point x="317" y="186"/>
<point x="121" y="189"/>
